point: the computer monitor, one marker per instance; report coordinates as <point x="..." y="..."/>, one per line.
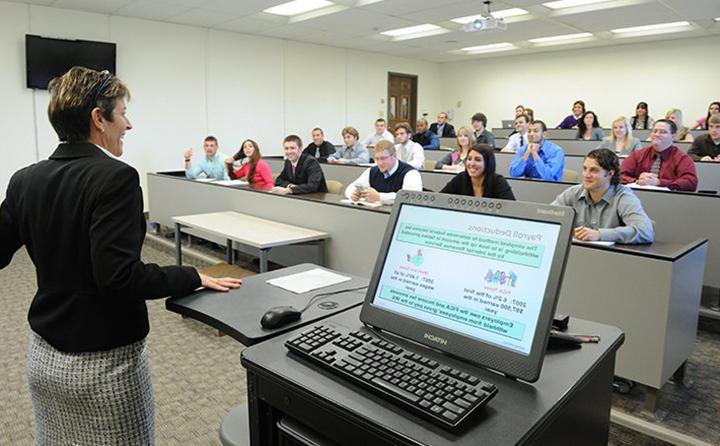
<point x="508" y="123"/>
<point x="473" y="277"/>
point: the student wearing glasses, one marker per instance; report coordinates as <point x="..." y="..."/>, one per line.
<point x="661" y="164"/>
<point x="381" y="182"/>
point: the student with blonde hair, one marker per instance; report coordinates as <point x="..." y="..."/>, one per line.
<point x="455" y="160"/>
<point x="621" y="140"/>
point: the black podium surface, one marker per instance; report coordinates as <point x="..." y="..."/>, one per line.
<point x="238" y="312"/>
<point x="569" y="404"/>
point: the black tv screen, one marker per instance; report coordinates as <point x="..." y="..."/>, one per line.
<point x="48" y="58"/>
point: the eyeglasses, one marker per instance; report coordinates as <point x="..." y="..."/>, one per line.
<point x="104" y="81"/>
<point x="383" y="158"/>
<point x="660" y="131"/>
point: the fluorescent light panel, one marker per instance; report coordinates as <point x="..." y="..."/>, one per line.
<point x="503" y="14"/>
<point x="411" y="30"/>
<point x="561" y="39"/>
<point x="298" y="7"/>
<point x="562" y="4"/>
<point x="492" y="48"/>
<point x="717" y="19"/>
<point x="657" y="28"/>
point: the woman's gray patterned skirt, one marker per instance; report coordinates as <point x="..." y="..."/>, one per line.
<point x="90" y="399"/>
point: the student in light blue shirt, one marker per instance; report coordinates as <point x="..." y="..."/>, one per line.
<point x="353" y="152"/>
<point x="539" y="158"/>
<point x="212" y="164"/>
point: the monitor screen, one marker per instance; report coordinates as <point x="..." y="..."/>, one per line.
<point x="475" y="278"/>
<point x="478" y="275"/>
<point x="48" y="58"/>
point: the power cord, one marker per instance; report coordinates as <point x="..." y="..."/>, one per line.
<point x="314" y="298"/>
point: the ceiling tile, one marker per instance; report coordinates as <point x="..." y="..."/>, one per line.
<point x="102" y="7"/>
<point x="607" y="19"/>
<point x="149" y="10"/>
<point x="200" y="17"/>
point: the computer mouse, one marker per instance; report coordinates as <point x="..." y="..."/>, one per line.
<point x="277" y="317"/>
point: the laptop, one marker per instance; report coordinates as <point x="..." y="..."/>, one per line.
<point x="473" y="278"/>
<point x="508" y="123"/>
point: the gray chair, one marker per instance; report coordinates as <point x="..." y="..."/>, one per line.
<point x="235" y="427"/>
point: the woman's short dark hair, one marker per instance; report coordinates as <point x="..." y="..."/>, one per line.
<point x="488" y="155"/>
<point x="608" y="160"/>
<point x="75" y="94"/>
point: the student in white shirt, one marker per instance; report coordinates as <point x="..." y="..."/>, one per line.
<point x="519" y="138"/>
<point x="381" y="133"/>
<point x="408" y="150"/>
<point x="381" y="182"/>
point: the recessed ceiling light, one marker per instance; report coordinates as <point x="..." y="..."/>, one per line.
<point x="562" y="4"/>
<point x="504" y="14"/>
<point x="298" y="7"/>
<point x="717" y="19"/>
<point x="649" y="30"/>
<point x="414" y="32"/>
<point x="565" y="38"/>
<point x="492" y="48"/>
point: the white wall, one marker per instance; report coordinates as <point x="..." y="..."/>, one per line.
<point x="187" y="82"/>
<point x="611" y="80"/>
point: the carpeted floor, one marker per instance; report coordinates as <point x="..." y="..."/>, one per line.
<point x="198" y="377"/>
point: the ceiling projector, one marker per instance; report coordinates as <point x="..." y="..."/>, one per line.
<point x="485" y="24"/>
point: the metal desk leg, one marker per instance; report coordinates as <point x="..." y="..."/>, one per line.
<point x="264" y="260"/>
<point x="321" y="252"/>
<point x="230" y="253"/>
<point x="178" y="244"/>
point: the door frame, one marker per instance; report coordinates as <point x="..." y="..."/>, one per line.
<point x="413" y="105"/>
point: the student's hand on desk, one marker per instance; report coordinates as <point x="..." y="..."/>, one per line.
<point x="219" y="284"/>
<point x="356" y="195"/>
<point x="188" y="153"/>
<point x="371" y="195"/>
<point x="586" y="234"/>
<point x="648" y="179"/>
<point x="339" y="161"/>
<point x="281" y="190"/>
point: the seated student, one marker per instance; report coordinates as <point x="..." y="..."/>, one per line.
<point x="455" y="161"/>
<point x="702" y="123"/>
<point x="352" y="152"/>
<point x="707" y="147"/>
<point x="482" y="134"/>
<point x="660" y="164"/>
<point x="319" y="148"/>
<point x="479" y="178"/>
<point x="606" y="210"/>
<point x="683" y="133"/>
<point x="641" y="120"/>
<point x="519" y="111"/>
<point x="571" y="121"/>
<point x="424" y="137"/>
<point x="621" y="140"/>
<point x="519" y="137"/>
<point x="381" y="133"/>
<point x="540" y="157"/>
<point x="382" y="181"/>
<point x="254" y="168"/>
<point x="406" y="149"/>
<point x="212" y="165"/>
<point x="301" y="174"/>
<point x="442" y="128"/>
<point x="589" y="128"/>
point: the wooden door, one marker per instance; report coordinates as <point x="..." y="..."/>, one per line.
<point x="402" y="99"/>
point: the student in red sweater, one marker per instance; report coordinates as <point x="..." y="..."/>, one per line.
<point x="254" y="169"/>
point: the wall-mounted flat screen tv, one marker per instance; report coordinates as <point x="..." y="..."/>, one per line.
<point x="47" y="58"/>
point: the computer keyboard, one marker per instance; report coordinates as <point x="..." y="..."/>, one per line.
<point x="439" y="393"/>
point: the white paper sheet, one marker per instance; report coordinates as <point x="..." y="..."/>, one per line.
<point x="308" y="281"/>
<point x="232" y="182"/>
<point x="596" y="243"/>
<point x="374" y="204"/>
<point x="637" y="186"/>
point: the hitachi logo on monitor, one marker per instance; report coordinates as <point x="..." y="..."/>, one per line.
<point x="551" y="212"/>
<point x="438" y="339"/>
